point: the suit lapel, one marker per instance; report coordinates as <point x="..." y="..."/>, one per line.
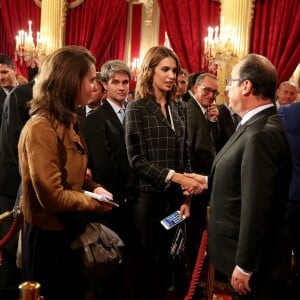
<point x="241" y="130"/>
<point x="201" y="114"/>
<point x="155" y="109"/>
<point x="114" y="118"/>
<point x="231" y="141"/>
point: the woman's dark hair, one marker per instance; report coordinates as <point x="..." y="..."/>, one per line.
<point x="59" y="82"/>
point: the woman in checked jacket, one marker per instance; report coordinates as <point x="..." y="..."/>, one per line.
<point x="157" y="149"/>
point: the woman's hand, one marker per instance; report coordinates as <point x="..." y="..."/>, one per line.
<point x="88" y="174"/>
<point x="185" y="208"/>
<point x="102" y="191"/>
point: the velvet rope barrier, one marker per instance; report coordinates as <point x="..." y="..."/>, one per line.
<point x="13" y="228"/>
<point x="198" y="266"/>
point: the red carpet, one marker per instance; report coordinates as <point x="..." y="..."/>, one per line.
<point x="220" y="291"/>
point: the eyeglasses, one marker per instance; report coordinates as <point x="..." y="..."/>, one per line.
<point x="229" y="81"/>
<point x="208" y="90"/>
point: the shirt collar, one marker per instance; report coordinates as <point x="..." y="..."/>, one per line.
<point x="254" y="111"/>
<point x="114" y="106"/>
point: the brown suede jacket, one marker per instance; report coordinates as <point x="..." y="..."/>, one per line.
<point x="53" y="162"/>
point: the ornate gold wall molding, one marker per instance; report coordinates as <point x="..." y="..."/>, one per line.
<point x="148" y="5"/>
<point x="53" y="23"/>
<point x="238" y="15"/>
<point x="69" y="5"/>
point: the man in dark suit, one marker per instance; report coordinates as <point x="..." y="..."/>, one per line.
<point x="290" y="115"/>
<point x="107" y="153"/>
<point x="249" y="183"/>
<point x="203" y="130"/>
<point x="14" y="116"/>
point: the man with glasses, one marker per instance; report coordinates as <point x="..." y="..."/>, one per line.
<point x="203" y="131"/>
<point x="249" y="183"/>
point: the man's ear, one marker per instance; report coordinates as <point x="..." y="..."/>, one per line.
<point x="247" y="87"/>
<point x="104" y="86"/>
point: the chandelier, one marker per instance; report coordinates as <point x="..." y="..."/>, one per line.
<point x="29" y="51"/>
<point x="218" y="47"/>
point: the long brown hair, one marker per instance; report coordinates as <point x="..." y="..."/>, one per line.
<point x="145" y="78"/>
<point x="59" y="82"/>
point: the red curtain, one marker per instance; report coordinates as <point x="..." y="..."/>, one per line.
<point x="4" y="47"/>
<point x="276" y="34"/>
<point x="15" y="16"/>
<point x="186" y="23"/>
<point x="99" y="26"/>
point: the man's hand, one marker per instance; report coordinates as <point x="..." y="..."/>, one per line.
<point x="240" y="281"/>
<point x="212" y="113"/>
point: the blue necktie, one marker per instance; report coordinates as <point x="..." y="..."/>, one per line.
<point x="122" y="114"/>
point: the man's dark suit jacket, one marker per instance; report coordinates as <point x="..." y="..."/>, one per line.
<point x="108" y="160"/>
<point x="227" y="126"/>
<point x="2" y="99"/>
<point x="290" y="115"/>
<point x="249" y="185"/>
<point x="81" y="112"/>
<point x="14" y="116"/>
<point x="201" y="136"/>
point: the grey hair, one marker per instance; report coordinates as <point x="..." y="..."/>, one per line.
<point x="204" y="75"/>
<point x="290" y="83"/>
<point x="112" y="67"/>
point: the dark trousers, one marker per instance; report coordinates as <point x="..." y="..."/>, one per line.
<point x="149" y="267"/>
<point x="49" y="260"/>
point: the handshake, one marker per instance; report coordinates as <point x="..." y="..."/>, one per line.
<point x="191" y="183"/>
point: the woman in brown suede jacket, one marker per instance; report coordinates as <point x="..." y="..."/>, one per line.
<point x="53" y="163"/>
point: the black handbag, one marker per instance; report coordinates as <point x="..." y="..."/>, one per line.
<point x="178" y="242"/>
<point x="101" y="250"/>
